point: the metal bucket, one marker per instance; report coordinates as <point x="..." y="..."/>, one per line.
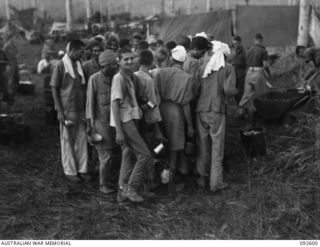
<point x="253" y="141"/>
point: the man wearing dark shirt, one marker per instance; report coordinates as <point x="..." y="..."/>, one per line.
<point x="4" y="62"/>
<point x="239" y="62"/>
<point x="257" y="75"/>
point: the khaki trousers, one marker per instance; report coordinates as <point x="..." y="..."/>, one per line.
<point x="210" y="131"/>
<point x="78" y="163"/>
<point x="106" y="158"/>
<point x="133" y="172"/>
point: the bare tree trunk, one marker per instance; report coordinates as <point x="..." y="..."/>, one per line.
<point x="41" y="8"/>
<point x="162" y="8"/>
<point x="101" y="11"/>
<point x="88" y="9"/>
<point x="69" y="14"/>
<point x="208" y="7"/>
<point x="8" y="10"/>
<point x="227" y="4"/>
<point x="126" y="6"/>
<point x="189" y="7"/>
<point x="304" y="21"/>
<point x="173" y="7"/>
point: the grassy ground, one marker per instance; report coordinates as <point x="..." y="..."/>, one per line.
<point x="274" y="197"/>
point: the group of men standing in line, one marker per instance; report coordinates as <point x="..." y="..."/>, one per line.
<point x="139" y="97"/>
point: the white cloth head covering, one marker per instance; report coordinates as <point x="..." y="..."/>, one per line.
<point x="202" y="34"/>
<point x="60" y="53"/>
<point x="217" y="60"/>
<point x="179" y="53"/>
<point x="152" y="40"/>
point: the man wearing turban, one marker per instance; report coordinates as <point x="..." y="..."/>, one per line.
<point x="175" y="89"/>
<point x="98" y="116"/>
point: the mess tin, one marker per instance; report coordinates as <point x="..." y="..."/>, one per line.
<point x="95" y="138"/>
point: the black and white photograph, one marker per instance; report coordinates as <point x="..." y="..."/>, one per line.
<point x="159" y="120"/>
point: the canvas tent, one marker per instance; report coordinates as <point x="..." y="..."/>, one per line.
<point x="216" y="23"/>
<point x="12" y="28"/>
<point x="278" y="24"/>
<point x="58" y="27"/>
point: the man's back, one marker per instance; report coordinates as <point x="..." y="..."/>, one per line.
<point x="256" y="55"/>
<point x="214" y="89"/>
<point x="174" y="84"/>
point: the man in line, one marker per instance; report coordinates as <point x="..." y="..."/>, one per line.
<point x="198" y="48"/>
<point x="11" y="51"/>
<point x="98" y="116"/>
<point x="92" y="66"/>
<point x="148" y="92"/>
<point x="148" y="125"/>
<point x="125" y="112"/>
<point x="4" y="68"/>
<point x="257" y="75"/>
<point x="67" y="84"/>
<point x="175" y="88"/>
<point x="239" y="62"/>
<point x="218" y="82"/>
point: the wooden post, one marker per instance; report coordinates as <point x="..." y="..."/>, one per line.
<point x="69" y="15"/>
<point x="208" y="6"/>
<point x="304" y="22"/>
<point x="88" y="9"/>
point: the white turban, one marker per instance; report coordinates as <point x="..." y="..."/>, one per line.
<point x="217" y="60"/>
<point x="179" y="53"/>
<point x="202" y="34"/>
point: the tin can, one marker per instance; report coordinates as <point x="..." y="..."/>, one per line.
<point x="68" y="123"/>
<point x="158" y="148"/>
<point x="151" y="105"/>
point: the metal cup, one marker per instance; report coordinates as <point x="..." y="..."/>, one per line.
<point x="151" y="105"/>
<point x="158" y="148"/>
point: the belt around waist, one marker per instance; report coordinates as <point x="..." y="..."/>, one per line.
<point x="256" y="68"/>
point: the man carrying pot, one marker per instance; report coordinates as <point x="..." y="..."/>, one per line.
<point x="98" y="116"/>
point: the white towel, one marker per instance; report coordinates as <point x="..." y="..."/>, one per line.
<point x="217" y="60"/>
<point x="69" y="68"/>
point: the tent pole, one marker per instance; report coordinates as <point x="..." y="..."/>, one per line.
<point x="304" y="21"/>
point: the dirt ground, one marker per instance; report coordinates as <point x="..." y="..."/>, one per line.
<point x="273" y="197"/>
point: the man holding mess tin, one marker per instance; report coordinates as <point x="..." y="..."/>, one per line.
<point x="98" y="117"/>
<point x="67" y="84"/>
